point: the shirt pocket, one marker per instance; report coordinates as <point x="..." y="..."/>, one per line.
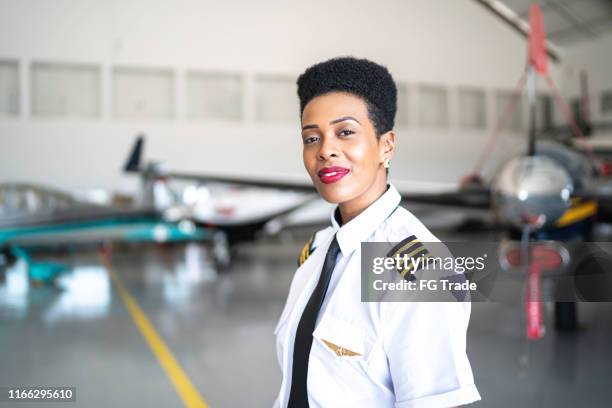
<point x="343" y="340"/>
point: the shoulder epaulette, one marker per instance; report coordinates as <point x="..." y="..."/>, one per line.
<point x="410" y="249"/>
<point x="306" y="251"/>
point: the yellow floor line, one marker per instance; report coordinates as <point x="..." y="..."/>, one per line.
<point x="183" y="385"/>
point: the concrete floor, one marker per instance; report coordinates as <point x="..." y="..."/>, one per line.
<point x="219" y="327"/>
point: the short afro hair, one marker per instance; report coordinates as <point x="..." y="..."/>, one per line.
<point x="370" y="81"/>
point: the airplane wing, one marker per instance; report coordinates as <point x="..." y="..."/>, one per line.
<point x="245" y="181"/>
<point x="39" y="216"/>
<point x="475" y="196"/>
<point x="478" y="197"/>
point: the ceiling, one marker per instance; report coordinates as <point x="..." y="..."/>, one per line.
<point x="569" y="22"/>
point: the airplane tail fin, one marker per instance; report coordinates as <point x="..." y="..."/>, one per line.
<point x="133" y="162"/>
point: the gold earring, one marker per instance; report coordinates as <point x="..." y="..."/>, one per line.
<point x="386" y="163"/>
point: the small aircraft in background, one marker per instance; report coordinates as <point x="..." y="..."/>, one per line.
<point x="236" y="208"/>
<point x="33" y="216"/>
<point x="547" y="198"/>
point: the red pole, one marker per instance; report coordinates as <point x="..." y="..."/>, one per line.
<point x="533" y="304"/>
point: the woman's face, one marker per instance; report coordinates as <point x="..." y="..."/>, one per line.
<point x="341" y="152"/>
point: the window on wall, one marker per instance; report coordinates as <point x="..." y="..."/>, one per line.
<point x="515" y="121"/>
<point x="606" y="102"/>
<point x="472" y="108"/>
<point x="143" y="93"/>
<point x="9" y="88"/>
<point x="276" y="99"/>
<point x="65" y="90"/>
<point x="216" y="96"/>
<point x="402" y="118"/>
<point x="433" y="106"/>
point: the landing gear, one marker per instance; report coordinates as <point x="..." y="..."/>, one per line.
<point x="7" y="258"/>
<point x="3" y="264"/>
<point x="592" y="283"/>
<point x="221" y="250"/>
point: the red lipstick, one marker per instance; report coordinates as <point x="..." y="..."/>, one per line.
<point x="332" y="174"/>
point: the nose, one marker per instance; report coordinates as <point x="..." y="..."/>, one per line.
<point x="328" y="148"/>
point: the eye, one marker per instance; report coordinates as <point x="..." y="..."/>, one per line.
<point x="310" y="139"/>
<point x="346" y="132"/>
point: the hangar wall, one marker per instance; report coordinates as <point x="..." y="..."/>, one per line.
<point x="593" y="57"/>
<point x="451" y="45"/>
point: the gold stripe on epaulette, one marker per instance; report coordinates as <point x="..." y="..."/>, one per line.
<point x="406" y="246"/>
<point x="305" y="253"/>
<point x="410" y="255"/>
<point x="409" y="248"/>
<point x="402" y="245"/>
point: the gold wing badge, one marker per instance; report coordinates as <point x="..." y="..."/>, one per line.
<point x="409" y="248"/>
<point x="339" y="350"/>
<point x="306" y="251"/>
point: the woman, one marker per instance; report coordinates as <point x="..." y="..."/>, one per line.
<point x="335" y="350"/>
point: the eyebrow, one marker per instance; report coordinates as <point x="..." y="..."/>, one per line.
<point x="342" y="119"/>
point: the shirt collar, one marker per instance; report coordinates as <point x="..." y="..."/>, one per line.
<point x="351" y="234"/>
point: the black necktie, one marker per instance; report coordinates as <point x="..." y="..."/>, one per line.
<point x="298" y="398"/>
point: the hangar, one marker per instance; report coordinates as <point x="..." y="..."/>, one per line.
<point x="155" y="196"/>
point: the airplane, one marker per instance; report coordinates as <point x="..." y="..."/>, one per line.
<point x="34" y="216"/>
<point x="236" y="208"/>
<point x="546" y="198"/>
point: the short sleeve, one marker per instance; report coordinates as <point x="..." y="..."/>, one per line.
<point x="425" y="343"/>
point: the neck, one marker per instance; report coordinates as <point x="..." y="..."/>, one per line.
<point x="351" y="209"/>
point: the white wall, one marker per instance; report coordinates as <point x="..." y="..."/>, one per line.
<point x="595" y="58"/>
<point x="453" y="43"/>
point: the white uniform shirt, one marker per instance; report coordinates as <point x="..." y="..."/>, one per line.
<point x="410" y="355"/>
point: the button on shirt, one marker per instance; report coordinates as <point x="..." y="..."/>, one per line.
<point x="375" y="354"/>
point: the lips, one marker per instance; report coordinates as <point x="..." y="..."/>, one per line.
<point x="332" y="174"/>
